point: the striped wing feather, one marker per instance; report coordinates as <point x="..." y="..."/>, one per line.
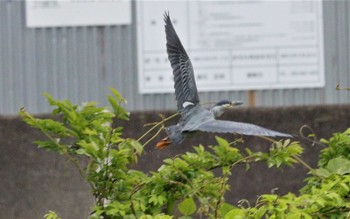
<point x="223" y="126"/>
<point x="185" y="84"/>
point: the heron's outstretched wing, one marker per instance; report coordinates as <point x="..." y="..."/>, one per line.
<point x="224" y="126"/>
<point x="185" y="84"/>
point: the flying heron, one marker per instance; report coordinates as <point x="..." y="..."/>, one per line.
<point x="194" y="117"/>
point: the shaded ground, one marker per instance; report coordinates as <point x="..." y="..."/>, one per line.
<point x="33" y="181"/>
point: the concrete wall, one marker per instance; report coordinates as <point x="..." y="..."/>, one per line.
<point x="33" y="181"/>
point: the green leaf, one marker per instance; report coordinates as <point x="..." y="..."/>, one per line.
<point x="51" y="215"/>
<point x="163" y="216"/>
<point x="235" y="214"/>
<point x="339" y="165"/>
<point x="226" y="170"/>
<point x="146" y="217"/>
<point x="29" y="119"/>
<point x="286" y="143"/>
<point x="116" y="93"/>
<point x="248" y="151"/>
<point x="89" y="131"/>
<point x="260" y="212"/>
<point x="179" y="163"/>
<point x="87" y="148"/>
<point x="51" y="100"/>
<point x="115" y="101"/>
<point x="50" y="146"/>
<point x="136" y="145"/>
<point x="187" y="206"/>
<point x="321" y="172"/>
<point x="247" y="167"/>
<point x="222" y="142"/>
<point x="225" y="208"/>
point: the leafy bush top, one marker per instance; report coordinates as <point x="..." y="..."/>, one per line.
<point x="185" y="185"/>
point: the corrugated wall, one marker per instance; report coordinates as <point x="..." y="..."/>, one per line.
<point x="80" y="63"/>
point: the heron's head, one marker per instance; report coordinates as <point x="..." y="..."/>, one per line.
<point x="220" y="107"/>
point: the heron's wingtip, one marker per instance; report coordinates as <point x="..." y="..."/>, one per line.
<point x="166" y="15"/>
<point x="284" y="135"/>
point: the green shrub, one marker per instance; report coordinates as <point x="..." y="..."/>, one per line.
<point x="186" y="183"/>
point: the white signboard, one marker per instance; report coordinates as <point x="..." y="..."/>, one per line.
<point x="234" y="45"/>
<point x="56" y="13"/>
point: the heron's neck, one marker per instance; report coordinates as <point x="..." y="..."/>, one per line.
<point x="217" y="111"/>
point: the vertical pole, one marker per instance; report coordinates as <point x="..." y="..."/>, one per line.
<point x="251" y="98"/>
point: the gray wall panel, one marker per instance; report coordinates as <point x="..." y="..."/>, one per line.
<point x="80" y="63"/>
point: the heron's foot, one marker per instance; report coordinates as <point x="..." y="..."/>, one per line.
<point x="163" y="143"/>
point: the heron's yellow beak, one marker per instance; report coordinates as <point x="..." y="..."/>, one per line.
<point x="163" y="143"/>
<point x="236" y="103"/>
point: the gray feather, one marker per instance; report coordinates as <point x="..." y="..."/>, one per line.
<point x="222" y="126"/>
<point x="185" y="84"/>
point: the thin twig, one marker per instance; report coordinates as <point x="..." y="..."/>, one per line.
<point x="340" y="88"/>
<point x="247" y="159"/>
<point x="267" y="138"/>
<point x="133" y="192"/>
<point x="156" y="125"/>
<point x="106" y="162"/>
<point x="155" y="135"/>
<point x="311" y="138"/>
<point x="303" y="163"/>
<point x="222" y="193"/>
